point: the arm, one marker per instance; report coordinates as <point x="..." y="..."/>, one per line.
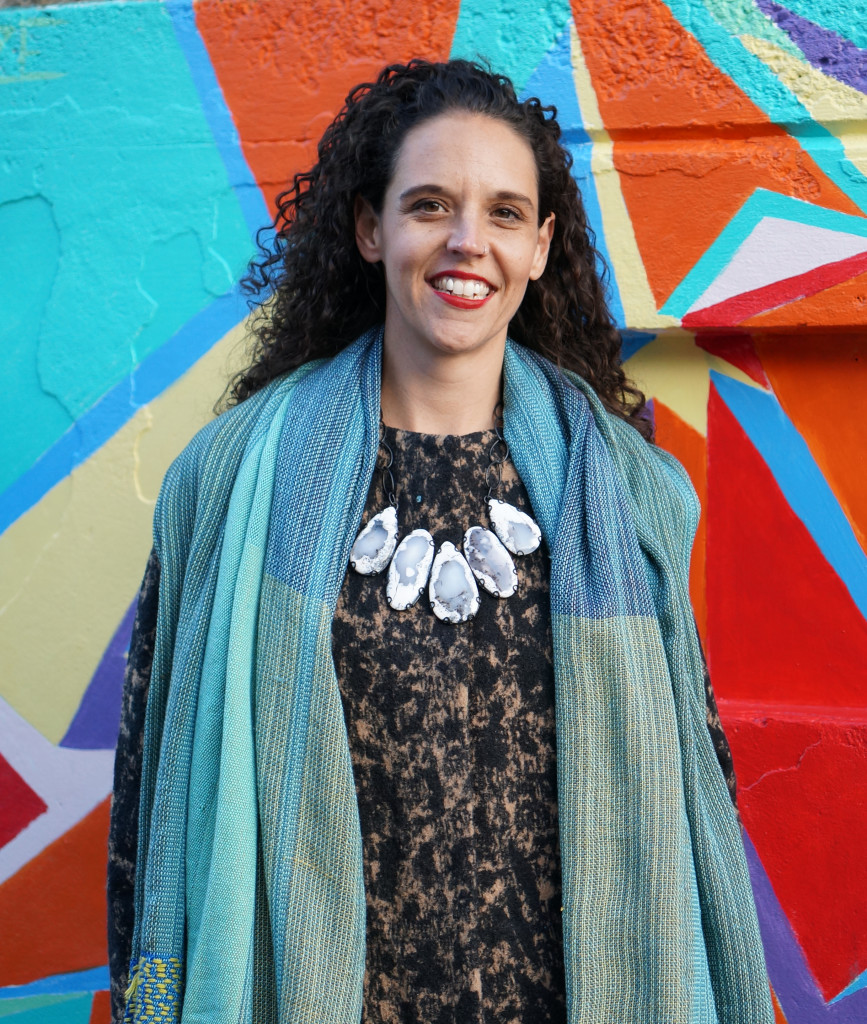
<point x="123" y="831"/>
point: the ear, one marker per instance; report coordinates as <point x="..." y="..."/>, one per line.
<point x="543" y="247"/>
<point x="367" y="232"/>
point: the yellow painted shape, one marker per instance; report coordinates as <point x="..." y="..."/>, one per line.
<point x="639" y="305"/>
<point x="835" y="105"/>
<point x="71" y="565"/>
<point x="675" y="370"/>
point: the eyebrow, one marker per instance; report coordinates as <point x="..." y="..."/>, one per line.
<point x="503" y="196"/>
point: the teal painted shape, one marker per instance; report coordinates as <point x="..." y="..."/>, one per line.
<point x="744" y="18"/>
<point x="514" y="35"/>
<point x="762" y="203"/>
<point x="846" y="19"/>
<point x="118" y="220"/>
<point x="65" y="1010"/>
<point x="762" y="86"/>
<point x="9" y="1007"/>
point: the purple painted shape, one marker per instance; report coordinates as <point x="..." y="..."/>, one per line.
<point x="793" y="982"/>
<point x="831" y="53"/>
<point x="96" y="722"/>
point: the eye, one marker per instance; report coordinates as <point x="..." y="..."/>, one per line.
<point x="429" y="206"/>
<point x="508" y="213"/>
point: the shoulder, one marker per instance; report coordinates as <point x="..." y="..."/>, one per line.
<point x="202" y="476"/>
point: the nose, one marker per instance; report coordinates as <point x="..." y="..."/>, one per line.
<point x="466" y="238"/>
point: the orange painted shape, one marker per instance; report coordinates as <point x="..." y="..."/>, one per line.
<point x="689" y="145"/>
<point x="100" y="1010"/>
<point x="844" y="305"/>
<point x="781" y="625"/>
<point x="52" y="911"/>
<point x="286" y="66"/>
<point x="737" y="349"/>
<point x="821" y="383"/>
<point x="688" y="446"/>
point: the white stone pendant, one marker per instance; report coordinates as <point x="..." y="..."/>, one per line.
<point x="375" y="544"/>
<point x="515" y="528"/>
<point x="409" y="570"/>
<point x="491" y="563"/>
<point x="454" y="595"/>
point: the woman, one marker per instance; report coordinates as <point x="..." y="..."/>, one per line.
<point x="356" y="804"/>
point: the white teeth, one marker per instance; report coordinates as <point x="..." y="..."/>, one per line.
<point x="464" y="289"/>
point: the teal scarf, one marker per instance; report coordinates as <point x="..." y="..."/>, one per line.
<point x="250" y="904"/>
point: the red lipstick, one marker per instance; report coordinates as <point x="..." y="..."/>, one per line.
<point x="462" y="301"/>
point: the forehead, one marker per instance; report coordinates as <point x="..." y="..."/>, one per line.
<point x="460" y="150"/>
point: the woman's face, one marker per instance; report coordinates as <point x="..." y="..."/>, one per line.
<point x="458" y="235"/>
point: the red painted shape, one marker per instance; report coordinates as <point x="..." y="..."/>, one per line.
<point x="689" y="145"/>
<point x="19" y="804"/>
<point x="737" y="349"/>
<point x="286" y="66"/>
<point x="820" y="379"/>
<point x="802" y="793"/>
<point x="781" y="625"/>
<point x="52" y="911"/>
<point x="741" y="307"/>
<point x="688" y="446"/>
<point x="843" y="305"/>
<point x="100" y="1008"/>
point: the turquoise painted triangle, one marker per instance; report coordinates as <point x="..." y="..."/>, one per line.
<point x="514" y="38"/>
<point x="75" y="1010"/>
<point x="762" y="203"/>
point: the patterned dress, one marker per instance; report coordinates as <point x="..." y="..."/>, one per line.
<point x="451" y="732"/>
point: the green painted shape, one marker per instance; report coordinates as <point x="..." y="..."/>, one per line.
<point x="47" y="1009"/>
<point x="848" y="20"/>
<point x="118" y="220"/>
<point x="742" y="17"/>
<point x="514" y="35"/>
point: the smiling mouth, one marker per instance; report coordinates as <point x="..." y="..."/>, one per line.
<point x="466" y="288"/>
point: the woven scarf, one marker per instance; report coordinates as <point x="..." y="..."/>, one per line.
<point x="250" y="904"/>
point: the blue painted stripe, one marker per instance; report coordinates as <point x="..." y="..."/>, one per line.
<point x="800" y="479"/>
<point x="782" y="106"/>
<point x="762" y="203"/>
<point x="857" y="985"/>
<point x="99" y="424"/>
<point x="94" y="980"/>
<point x="553" y="82"/>
<point x="218" y="115"/>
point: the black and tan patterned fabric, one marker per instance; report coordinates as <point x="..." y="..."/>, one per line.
<point x="451" y="732"/>
<point x="451" y="729"/>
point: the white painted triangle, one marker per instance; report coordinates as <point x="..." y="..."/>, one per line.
<point x="774" y="250"/>
<point x="71" y="782"/>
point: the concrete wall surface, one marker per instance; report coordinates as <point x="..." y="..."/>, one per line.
<point x="721" y="149"/>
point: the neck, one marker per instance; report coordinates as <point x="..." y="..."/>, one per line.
<point x="452" y="394"/>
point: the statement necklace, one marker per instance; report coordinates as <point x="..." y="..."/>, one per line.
<point x="449" y="574"/>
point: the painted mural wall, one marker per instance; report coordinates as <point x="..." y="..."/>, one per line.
<point x="721" y="146"/>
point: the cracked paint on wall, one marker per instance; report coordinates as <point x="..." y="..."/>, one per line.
<point x="723" y="155"/>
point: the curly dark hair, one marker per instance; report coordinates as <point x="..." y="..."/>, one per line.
<point x="313" y="293"/>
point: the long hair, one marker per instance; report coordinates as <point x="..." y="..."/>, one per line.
<point x="312" y="293"/>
